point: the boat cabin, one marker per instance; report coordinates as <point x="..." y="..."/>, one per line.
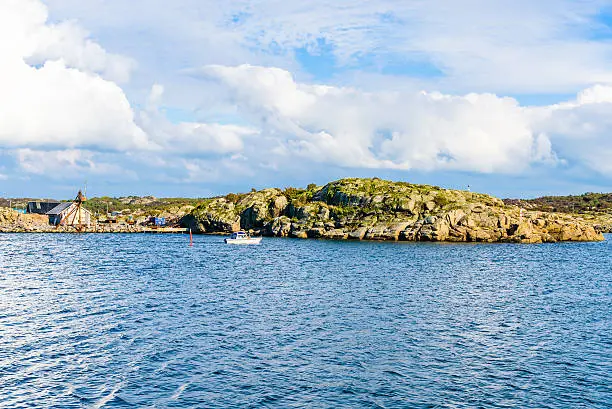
<point x="239" y="235"/>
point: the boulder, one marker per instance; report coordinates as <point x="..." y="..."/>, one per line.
<point x="258" y="207"/>
<point x="279" y="204"/>
<point x="279" y="227"/>
<point x="358" y="234"/>
<point x="299" y="234"/>
<point x="406" y="205"/>
<point x="336" y="234"/>
<point x="217" y="215"/>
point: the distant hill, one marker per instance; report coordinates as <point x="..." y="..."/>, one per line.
<point x="585" y="203"/>
<point x="100" y="205"/>
<point x="21" y="202"/>
<point x="149" y="204"/>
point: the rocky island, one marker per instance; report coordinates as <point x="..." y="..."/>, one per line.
<point x="347" y="209"/>
<point x="375" y="209"/>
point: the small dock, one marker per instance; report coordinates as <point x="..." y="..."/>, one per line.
<point x="166" y="230"/>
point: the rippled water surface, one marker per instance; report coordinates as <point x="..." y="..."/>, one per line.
<point x="146" y="321"/>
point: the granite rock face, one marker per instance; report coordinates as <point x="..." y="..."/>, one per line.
<point x="12" y="221"/>
<point x="216" y="215"/>
<point x="375" y="209"/>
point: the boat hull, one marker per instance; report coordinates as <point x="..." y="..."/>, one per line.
<point x="254" y="240"/>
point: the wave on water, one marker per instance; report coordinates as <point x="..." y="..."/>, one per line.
<point x="140" y="321"/>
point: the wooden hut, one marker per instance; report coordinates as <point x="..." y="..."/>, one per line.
<point x="69" y="214"/>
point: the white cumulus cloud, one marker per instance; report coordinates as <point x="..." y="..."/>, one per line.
<point x="581" y="129"/>
<point x="502" y="46"/>
<point x="191" y="138"/>
<point x="61" y="101"/>
<point x="66" y="164"/>
<point x="396" y="130"/>
<point x="26" y="33"/>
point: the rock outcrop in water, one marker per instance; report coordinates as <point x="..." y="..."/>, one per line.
<point x="374" y="209"/>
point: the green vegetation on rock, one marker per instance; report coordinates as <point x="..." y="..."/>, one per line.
<point x="355" y="208"/>
<point x="379" y="209"/>
<point x="134" y="204"/>
<point x="588" y="202"/>
<point x="595" y="208"/>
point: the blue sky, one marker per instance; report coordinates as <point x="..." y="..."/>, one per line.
<point x="196" y="98"/>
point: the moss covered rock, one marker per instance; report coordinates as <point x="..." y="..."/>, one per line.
<point x="217" y="215"/>
<point x="375" y="209"/>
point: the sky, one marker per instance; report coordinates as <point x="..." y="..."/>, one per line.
<point x="197" y="97"/>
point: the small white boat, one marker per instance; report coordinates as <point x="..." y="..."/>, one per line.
<point x="241" y="237"/>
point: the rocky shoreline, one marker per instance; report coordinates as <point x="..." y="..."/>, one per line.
<point x="375" y="209"/>
<point x="14" y="222"/>
<point x="356" y="209"/>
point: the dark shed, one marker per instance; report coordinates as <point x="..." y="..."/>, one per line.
<point x="41" y="207"/>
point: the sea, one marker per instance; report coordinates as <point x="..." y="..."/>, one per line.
<point x="147" y="321"/>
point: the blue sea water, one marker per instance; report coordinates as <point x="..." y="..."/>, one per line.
<point x="123" y="321"/>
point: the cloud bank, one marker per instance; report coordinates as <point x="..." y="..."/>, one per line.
<point x="427" y="131"/>
<point x="62" y="100"/>
<point x="71" y="108"/>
